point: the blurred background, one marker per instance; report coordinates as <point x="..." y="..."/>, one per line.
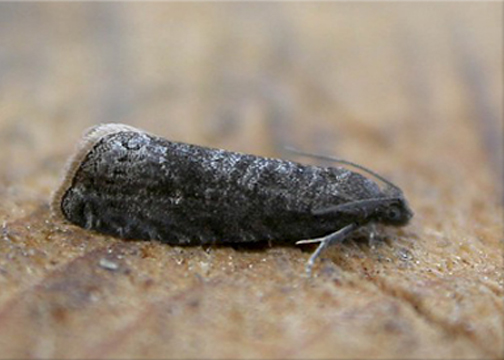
<point x="411" y="90"/>
<point x="361" y="81"/>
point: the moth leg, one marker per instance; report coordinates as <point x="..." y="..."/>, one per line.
<point x="337" y="236"/>
<point x="372" y="238"/>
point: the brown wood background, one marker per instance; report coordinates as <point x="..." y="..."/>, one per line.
<point x="414" y="91"/>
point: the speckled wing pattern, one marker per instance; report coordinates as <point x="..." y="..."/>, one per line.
<point x="135" y="185"/>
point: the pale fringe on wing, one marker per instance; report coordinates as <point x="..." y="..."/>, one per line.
<point x="90" y="138"/>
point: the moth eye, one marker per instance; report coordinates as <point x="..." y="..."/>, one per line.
<point x="394" y="213"/>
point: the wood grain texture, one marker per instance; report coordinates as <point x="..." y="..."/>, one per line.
<point x="413" y="91"/>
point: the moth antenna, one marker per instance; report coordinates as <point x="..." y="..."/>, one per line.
<point x="366" y="202"/>
<point x="346" y="162"/>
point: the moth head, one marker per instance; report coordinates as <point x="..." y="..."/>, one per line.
<point x="385" y="210"/>
<point x="394" y="211"/>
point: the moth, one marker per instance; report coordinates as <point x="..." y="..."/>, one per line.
<point x="131" y="184"/>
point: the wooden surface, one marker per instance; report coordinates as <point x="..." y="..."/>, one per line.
<point x="414" y="91"/>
